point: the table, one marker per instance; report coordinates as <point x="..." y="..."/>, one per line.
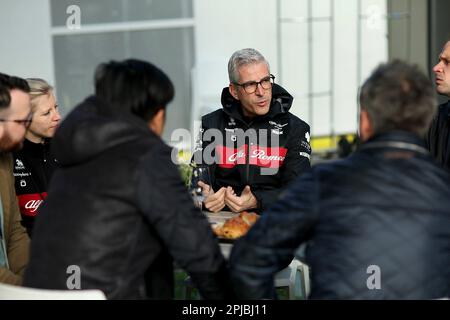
<point x="295" y="276"/>
<point x="220" y="218"/>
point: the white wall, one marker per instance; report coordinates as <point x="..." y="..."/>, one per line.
<point x="332" y="55"/>
<point x="26" y="48"/>
<point x="223" y="27"/>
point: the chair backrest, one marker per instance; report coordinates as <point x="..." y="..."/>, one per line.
<point x="299" y="280"/>
<point x="296" y="277"/>
<point x="9" y="292"/>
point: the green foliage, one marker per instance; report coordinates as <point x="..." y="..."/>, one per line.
<point x="185" y="167"/>
<point x="186" y="173"/>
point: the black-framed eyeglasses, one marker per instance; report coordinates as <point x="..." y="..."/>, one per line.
<point x="251" y="86"/>
<point x="25" y="122"/>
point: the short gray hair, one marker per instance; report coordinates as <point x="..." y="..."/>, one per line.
<point x="398" y="96"/>
<point x="243" y="57"/>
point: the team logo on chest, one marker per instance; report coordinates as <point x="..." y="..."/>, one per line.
<point x="19" y="165"/>
<point x="277" y="128"/>
<point x="232" y="122"/>
<point x="231" y="131"/>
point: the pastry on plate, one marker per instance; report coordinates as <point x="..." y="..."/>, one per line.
<point x="237" y="226"/>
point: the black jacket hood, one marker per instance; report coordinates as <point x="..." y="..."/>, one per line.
<point x="281" y="102"/>
<point x="92" y="128"/>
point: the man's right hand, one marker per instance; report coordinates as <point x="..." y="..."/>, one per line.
<point x="214" y="201"/>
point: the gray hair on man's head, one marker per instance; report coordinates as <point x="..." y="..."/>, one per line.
<point x="398" y="96"/>
<point x="241" y="58"/>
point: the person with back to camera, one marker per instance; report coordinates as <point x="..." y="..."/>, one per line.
<point x="376" y="224"/>
<point x="117" y="208"/>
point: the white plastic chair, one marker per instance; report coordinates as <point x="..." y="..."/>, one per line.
<point x="9" y="292"/>
<point x="296" y="278"/>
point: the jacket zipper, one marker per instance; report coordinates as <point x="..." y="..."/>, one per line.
<point x="247" y="163"/>
<point x="247" y="157"/>
<point x="247" y="160"/>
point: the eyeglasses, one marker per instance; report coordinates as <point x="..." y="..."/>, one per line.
<point x="25" y="122"/>
<point x="252" y="86"/>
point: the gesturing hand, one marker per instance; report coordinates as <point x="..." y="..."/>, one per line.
<point x="214" y="201"/>
<point x="238" y="204"/>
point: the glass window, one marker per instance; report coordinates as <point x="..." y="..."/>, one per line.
<point x="76" y="57"/>
<point x="109" y="11"/>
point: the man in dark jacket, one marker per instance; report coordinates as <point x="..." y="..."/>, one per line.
<point x="254" y="146"/>
<point x="377" y="224"/>
<point x="438" y="139"/>
<point x="107" y="222"/>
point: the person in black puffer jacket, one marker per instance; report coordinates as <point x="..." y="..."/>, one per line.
<point x="117" y="209"/>
<point x="34" y="164"/>
<point x="377" y="224"/>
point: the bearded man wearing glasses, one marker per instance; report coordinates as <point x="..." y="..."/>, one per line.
<point x="15" y="118"/>
<point x="253" y="145"/>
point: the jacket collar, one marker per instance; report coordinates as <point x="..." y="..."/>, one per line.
<point x="397" y="140"/>
<point x="35" y="149"/>
<point x="281" y="103"/>
<point x="447" y="105"/>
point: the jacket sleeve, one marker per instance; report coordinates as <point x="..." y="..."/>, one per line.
<point x="17" y="241"/>
<point x="18" y="250"/>
<point x="296" y="163"/>
<point x="270" y="244"/>
<point x="183" y="229"/>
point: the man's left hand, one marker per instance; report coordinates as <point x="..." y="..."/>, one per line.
<point x="238" y="204"/>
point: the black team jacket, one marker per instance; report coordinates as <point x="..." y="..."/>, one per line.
<point x="33" y="168"/>
<point x="266" y="161"/>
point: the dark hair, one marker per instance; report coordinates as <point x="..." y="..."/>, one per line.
<point x="8" y="83"/>
<point x="398" y="96"/>
<point x="5" y="98"/>
<point x="133" y="86"/>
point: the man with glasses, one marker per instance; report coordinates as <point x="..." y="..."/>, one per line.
<point x="253" y="146"/>
<point x="15" y="117"/>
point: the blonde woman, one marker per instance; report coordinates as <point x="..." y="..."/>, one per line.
<point x="34" y="165"/>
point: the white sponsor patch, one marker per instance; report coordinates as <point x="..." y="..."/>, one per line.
<point x="22" y="174"/>
<point x="305" y="145"/>
<point x="33" y="205"/>
<point x="19" y="165"/>
<point x="307" y="137"/>
<point x="306" y="155"/>
<point x="232" y="122"/>
<point x="277" y="132"/>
